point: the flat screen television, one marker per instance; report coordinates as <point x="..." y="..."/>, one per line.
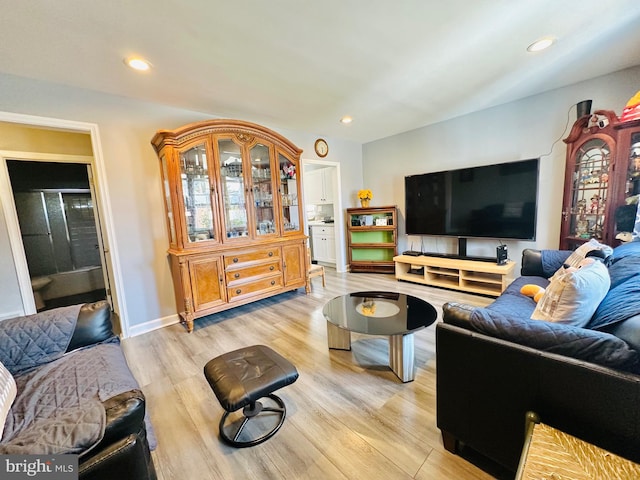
<point x="492" y="201"/>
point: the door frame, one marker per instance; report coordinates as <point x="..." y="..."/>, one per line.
<point x="103" y="206"/>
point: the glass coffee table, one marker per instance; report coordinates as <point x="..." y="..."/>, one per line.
<point x="395" y="315"/>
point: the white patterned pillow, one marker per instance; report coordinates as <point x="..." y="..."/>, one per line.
<point x="8" y="392"/>
<point x="580" y="253"/>
<point x="572" y="297"/>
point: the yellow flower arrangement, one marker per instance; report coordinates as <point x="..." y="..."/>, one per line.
<point x="365" y="194"/>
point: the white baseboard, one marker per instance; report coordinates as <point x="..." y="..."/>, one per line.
<point x="152" y="325"/>
<point x="8" y="315"/>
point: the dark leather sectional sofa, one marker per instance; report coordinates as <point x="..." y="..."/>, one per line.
<point x="486" y="382"/>
<point x="69" y="360"/>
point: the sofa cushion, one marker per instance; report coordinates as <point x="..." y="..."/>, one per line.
<point x="512" y="303"/>
<point x="623" y="269"/>
<point x="628" y="330"/>
<point x="552" y="260"/>
<point x="93" y="325"/>
<point x="626" y="250"/>
<point x="8" y="392"/>
<point x="33" y="340"/>
<point x="580" y="343"/>
<point x="572" y="297"/>
<point x="616" y="306"/>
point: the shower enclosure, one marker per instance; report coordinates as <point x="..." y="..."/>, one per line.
<point x="59" y="234"/>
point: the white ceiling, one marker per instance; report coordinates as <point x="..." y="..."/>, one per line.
<point x="295" y="64"/>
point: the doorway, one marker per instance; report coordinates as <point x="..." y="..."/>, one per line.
<point x="17" y="295"/>
<point x="328" y="209"/>
<point x="58" y="225"/>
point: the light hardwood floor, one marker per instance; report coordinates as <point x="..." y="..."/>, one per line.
<point x="348" y="415"/>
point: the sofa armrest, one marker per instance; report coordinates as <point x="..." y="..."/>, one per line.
<point x="127" y="459"/>
<point x="486" y="385"/>
<point x="459" y="314"/>
<point x="125" y="414"/>
<point x="531" y="263"/>
<point x="93" y="325"/>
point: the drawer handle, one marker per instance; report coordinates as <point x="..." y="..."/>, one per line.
<point x="271" y="254"/>
<point x="271" y="268"/>
<point x="238" y="292"/>
<point x="273" y="282"/>
<point x="237" y="275"/>
<point x="235" y="260"/>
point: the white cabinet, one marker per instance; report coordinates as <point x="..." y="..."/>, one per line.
<point x="323" y="243"/>
<point x="318" y="186"/>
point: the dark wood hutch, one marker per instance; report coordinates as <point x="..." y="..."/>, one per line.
<point x="602" y="171"/>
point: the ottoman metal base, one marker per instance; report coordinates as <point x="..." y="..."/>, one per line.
<point x="251" y="411"/>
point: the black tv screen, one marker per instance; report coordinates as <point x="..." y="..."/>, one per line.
<point x="495" y="201"/>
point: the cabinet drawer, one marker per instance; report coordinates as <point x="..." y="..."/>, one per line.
<point x="272" y="253"/>
<point x="323" y="231"/>
<point x="265" y="284"/>
<point x="245" y="273"/>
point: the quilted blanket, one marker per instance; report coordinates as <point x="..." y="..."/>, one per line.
<point x="508" y="318"/>
<point x="26" y="342"/>
<point x="59" y="409"/>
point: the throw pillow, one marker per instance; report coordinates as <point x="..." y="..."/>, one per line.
<point x="580" y="253"/>
<point x="8" y="392"/>
<point x="573" y="296"/>
<point x="617" y="306"/>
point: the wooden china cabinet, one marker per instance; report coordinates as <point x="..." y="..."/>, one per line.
<point x="231" y="191"/>
<point x="602" y="170"/>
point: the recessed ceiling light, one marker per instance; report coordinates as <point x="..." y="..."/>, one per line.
<point x="138" y="63"/>
<point x="540" y="44"/>
<point x="346" y="119"/>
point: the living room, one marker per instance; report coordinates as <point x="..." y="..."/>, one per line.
<point x="527" y="127"/>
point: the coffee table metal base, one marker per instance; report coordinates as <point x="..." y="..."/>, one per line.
<point x="401" y="350"/>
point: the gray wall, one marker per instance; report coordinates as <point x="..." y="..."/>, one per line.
<point x="524" y="129"/>
<point x="517" y="130"/>
<point x="133" y="179"/>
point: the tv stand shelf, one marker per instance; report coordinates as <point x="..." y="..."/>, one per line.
<point x="466" y="275"/>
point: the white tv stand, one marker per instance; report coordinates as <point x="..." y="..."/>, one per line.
<point x="470" y="276"/>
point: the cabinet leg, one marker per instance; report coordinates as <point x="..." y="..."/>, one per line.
<point x="187" y="320"/>
<point x="450" y="442"/>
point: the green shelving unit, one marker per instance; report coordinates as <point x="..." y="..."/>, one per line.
<point x="372" y="238"/>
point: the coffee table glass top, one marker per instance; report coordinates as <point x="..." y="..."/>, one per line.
<point x="379" y="313"/>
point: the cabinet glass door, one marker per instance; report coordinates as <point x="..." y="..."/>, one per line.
<point x="590" y="188"/>
<point x="233" y="189"/>
<point x="262" y="190"/>
<point x="196" y="192"/>
<point x="289" y="193"/>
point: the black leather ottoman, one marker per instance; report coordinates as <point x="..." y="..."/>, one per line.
<point x="242" y="377"/>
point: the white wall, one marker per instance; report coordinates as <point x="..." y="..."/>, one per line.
<point x="133" y="179"/>
<point x="515" y="131"/>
